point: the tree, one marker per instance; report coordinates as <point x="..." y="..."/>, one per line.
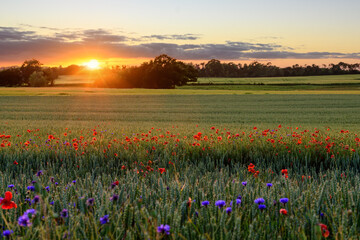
<point x="214" y="68"/>
<point x="37" y="79"/>
<point x="28" y="67"/>
<point x="10" y="77"/>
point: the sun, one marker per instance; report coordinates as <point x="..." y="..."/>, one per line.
<point x="92" y="64"/>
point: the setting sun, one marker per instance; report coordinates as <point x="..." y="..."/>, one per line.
<point x="92" y="64"/>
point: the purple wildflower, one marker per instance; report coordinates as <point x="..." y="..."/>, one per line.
<point x="36" y="199"/>
<point x="220" y="203"/>
<point x="24" y="221"/>
<point x="104" y="219"/>
<point x="205" y="203"/>
<point x="259" y="201"/>
<point x="228" y="210"/>
<point x="262" y="206"/>
<point x="114" y="198"/>
<point x="163" y="229"/>
<point x="90" y="202"/>
<point x="7" y="233"/>
<point x="64" y="213"/>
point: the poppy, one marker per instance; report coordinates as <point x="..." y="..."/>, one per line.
<point x="324" y="230"/>
<point x="283" y="211"/>
<point x="162" y="170"/>
<point x="6" y="202"/>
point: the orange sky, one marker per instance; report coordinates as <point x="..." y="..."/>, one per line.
<point x="130" y="32"/>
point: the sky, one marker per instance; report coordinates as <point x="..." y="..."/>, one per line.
<point x="128" y="32"/>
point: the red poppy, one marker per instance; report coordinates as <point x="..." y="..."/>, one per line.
<point x="189" y="202"/>
<point x="6" y="202"/>
<point x="324" y="230"/>
<point x="162" y="170"/>
<point x="283" y="211"/>
<point x="116" y="183"/>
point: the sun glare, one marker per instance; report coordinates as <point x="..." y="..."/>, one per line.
<point x="92" y="64"/>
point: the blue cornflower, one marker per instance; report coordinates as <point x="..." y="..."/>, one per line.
<point x="321" y="214"/>
<point x="244" y="183"/>
<point x="64" y="213"/>
<point x="262" y="206"/>
<point x="31" y="188"/>
<point x="74" y="181"/>
<point x="220" y="203"/>
<point x="24" y="221"/>
<point x="239" y="197"/>
<point x="114" y="198"/>
<point x="39" y="173"/>
<point x="90" y="202"/>
<point x="47" y="188"/>
<point x="163" y="229"/>
<point x="284" y="200"/>
<point x="205" y="203"/>
<point x="52" y="203"/>
<point x="7" y="233"/>
<point x="104" y="219"/>
<point x="11" y="186"/>
<point x="36" y="199"/>
<point x="269" y="185"/>
<point x="238" y="201"/>
<point x="259" y="201"/>
<point x="31" y="212"/>
<point x="228" y="210"/>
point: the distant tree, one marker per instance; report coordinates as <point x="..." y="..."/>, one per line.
<point x="50" y="74"/>
<point x="10" y="77"/>
<point x="28" y="67"/>
<point x="214" y="68"/>
<point x="37" y="79"/>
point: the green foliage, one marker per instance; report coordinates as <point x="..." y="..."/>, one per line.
<point x="10" y="77"/>
<point x="162" y="72"/>
<point x="37" y="79"/>
<point x="30" y="73"/>
<point x="214" y="68"/>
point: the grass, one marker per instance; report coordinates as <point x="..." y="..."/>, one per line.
<point x="150" y="157"/>
<point x="315" y="80"/>
<point x="235" y="111"/>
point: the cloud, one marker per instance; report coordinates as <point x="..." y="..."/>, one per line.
<point x="172" y="37"/>
<point x="17" y="44"/>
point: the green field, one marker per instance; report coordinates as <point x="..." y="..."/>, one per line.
<point x="235" y="111"/>
<point x="327" y="79"/>
<point x="145" y="158"/>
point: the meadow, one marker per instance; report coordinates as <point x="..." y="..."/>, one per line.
<point x="160" y="164"/>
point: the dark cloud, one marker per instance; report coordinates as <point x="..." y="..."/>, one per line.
<point x="13" y="34"/>
<point x="17" y="44"/>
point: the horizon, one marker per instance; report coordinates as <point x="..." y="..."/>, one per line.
<point x="128" y="33"/>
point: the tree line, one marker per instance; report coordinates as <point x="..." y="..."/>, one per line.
<point x="163" y="72"/>
<point x="30" y="74"/>
<point x="215" y="68"/>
